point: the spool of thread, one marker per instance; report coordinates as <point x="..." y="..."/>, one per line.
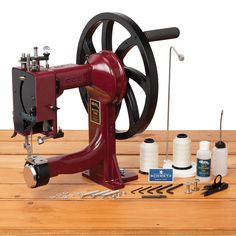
<point x="148" y="155"/>
<point x="182" y="152"/>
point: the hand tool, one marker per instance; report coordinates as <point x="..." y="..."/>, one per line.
<point x="217" y="186"/>
<point x="144" y="189"/>
<point x="104" y="83"/>
<point x="154" y="196"/>
<point x="155" y="188"/>
<point x="167" y="186"/>
<point x="169" y="190"/>
<point x="137" y="189"/>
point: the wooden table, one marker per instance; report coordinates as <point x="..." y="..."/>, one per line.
<point x="24" y="211"/>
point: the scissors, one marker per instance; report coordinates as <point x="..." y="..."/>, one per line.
<point x="217" y="186"/>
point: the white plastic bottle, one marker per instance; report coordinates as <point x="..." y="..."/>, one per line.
<point x="204" y="162"/>
<point x="220" y="159"/>
<point x="148" y="155"/>
<point x="220" y="155"/>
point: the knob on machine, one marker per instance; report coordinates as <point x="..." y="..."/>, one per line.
<point x="104" y="83"/>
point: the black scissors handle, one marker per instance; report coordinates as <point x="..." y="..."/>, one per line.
<point x="219" y="181"/>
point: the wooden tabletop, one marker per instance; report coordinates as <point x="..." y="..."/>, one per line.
<point x="40" y="211"/>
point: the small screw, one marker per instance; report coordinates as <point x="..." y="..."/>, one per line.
<point x="111" y="193"/>
<point x="46" y="49"/>
<point x="122" y="171"/>
<point x="89" y="194"/>
<point x="40" y="140"/>
<point x="100" y="193"/>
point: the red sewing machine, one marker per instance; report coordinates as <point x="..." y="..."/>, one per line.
<point x="103" y="80"/>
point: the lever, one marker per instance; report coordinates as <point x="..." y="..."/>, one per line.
<point x="162" y="34"/>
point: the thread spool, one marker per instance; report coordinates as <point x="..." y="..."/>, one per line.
<point x="148" y="155"/>
<point x="182" y="152"/>
<point x="188" y="187"/>
<point x="182" y="165"/>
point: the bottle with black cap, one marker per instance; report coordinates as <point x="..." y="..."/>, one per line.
<point x="220" y="155"/>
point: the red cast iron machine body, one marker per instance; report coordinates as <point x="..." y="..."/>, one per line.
<point x="103" y="80"/>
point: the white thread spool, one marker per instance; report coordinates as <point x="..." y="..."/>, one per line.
<point x="148" y="155"/>
<point x="182" y="152"/>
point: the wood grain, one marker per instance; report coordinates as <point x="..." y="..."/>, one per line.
<point x="27" y="211"/>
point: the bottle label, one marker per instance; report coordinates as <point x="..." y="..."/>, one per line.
<point x="203" y="168"/>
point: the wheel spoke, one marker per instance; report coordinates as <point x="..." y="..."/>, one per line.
<point x="125" y="47"/>
<point x="138" y="77"/>
<point x="131" y="105"/>
<point x="107" y="29"/>
<point x="89" y="47"/>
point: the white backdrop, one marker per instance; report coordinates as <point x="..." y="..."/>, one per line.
<point x="202" y="85"/>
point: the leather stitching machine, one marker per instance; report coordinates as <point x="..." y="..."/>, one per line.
<point x="103" y="79"/>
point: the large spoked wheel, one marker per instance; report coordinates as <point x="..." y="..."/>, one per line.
<point x="148" y="81"/>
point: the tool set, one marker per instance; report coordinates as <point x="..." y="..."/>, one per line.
<point x="95" y="194"/>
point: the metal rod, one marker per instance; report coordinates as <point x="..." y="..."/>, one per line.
<point x="154" y="196"/>
<point x="168" y="109"/>
<point x="221" y="117"/>
<point x="181" y="58"/>
<point x="35" y="51"/>
<point x="28" y="62"/>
